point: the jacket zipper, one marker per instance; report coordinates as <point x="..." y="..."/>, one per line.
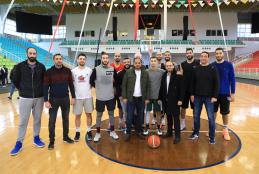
<point x="32" y="83"/>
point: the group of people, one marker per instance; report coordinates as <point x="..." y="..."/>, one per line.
<point x="165" y="88"/>
<point x="3" y="76"/>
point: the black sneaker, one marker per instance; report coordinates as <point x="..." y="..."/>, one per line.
<point x="9" y="97"/>
<point x="212" y="141"/>
<point x="89" y="136"/>
<point x="193" y="136"/>
<point x="68" y="140"/>
<point x="77" y="136"/>
<point x="177" y="140"/>
<point x="51" y="146"/>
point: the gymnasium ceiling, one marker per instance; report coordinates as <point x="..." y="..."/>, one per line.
<point x="53" y="7"/>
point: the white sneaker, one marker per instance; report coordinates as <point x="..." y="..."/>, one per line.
<point x="97" y="137"/>
<point x="159" y="132"/>
<point x="114" y="135"/>
<point x="183" y="127"/>
<point x="154" y="121"/>
<point x="146" y="132"/>
<point x="163" y="121"/>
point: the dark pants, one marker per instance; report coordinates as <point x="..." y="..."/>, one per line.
<point x="176" y="118"/>
<point x="176" y="124"/>
<point x="138" y="104"/>
<point x="198" y="103"/>
<point x="64" y="104"/>
<point x="3" y="80"/>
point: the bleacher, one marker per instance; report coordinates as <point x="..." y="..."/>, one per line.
<point x="221" y="42"/>
<point x="16" y="50"/>
<point x="163" y="42"/>
<point x="249" y="69"/>
<point x="7" y="62"/>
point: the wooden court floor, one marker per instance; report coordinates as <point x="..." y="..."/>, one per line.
<point x="79" y="158"/>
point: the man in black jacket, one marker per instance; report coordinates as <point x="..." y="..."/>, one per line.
<point x="171" y="97"/>
<point x="119" y="79"/>
<point x="28" y="79"/>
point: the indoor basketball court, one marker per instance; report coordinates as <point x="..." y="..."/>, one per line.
<point x="127" y="30"/>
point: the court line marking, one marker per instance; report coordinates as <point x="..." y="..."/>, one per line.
<point x="173" y="169"/>
<point x="118" y="130"/>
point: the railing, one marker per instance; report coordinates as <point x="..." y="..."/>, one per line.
<point x="10" y="55"/>
<point x="242" y="58"/>
<point x="248" y="73"/>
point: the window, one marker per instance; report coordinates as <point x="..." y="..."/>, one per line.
<point x="10" y="28"/>
<point x="216" y="32"/>
<point x="244" y="30"/>
<point x="60" y="34"/>
<point x="174" y="32"/>
<point x="180" y="32"/>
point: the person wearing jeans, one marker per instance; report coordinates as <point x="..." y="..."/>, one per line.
<point x="57" y="80"/>
<point x="204" y="90"/>
<point x="136" y="94"/>
<point x="198" y="103"/>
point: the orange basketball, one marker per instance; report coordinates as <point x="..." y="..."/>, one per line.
<point x="153" y="141"/>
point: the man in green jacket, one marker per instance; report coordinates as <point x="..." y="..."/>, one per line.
<point x="136" y="94"/>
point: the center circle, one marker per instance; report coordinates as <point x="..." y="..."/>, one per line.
<point x="187" y="155"/>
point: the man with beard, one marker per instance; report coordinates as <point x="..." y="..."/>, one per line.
<point x="227" y="89"/>
<point x="171" y="96"/>
<point x="135" y="93"/>
<point x="103" y="78"/>
<point x="119" y="79"/>
<point x="204" y="90"/>
<point x="167" y="56"/>
<point x="118" y="67"/>
<point x="57" y="80"/>
<point x="159" y="57"/>
<point x="28" y="79"/>
<point x="187" y="66"/>
<point x="84" y="100"/>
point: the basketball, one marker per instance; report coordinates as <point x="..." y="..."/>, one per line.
<point x="153" y="141"/>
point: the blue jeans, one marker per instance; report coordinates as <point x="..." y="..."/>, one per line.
<point x="138" y="104"/>
<point x="198" y="103"/>
<point x="12" y="88"/>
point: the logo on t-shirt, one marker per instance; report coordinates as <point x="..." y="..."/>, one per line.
<point x="109" y="73"/>
<point x="81" y="78"/>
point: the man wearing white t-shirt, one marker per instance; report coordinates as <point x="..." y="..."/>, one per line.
<point x="84" y="100"/>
